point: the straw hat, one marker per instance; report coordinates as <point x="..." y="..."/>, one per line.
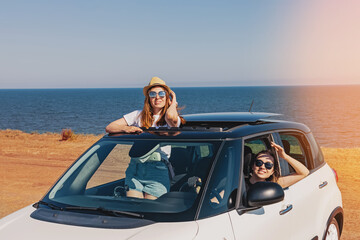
<point x="155" y="81"/>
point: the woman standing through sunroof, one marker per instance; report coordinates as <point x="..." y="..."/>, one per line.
<point x="159" y="110"/>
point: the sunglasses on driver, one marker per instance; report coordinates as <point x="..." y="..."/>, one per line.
<point x="268" y="165"/>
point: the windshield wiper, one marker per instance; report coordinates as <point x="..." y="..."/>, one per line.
<point x="115" y="213"/>
<point x="50" y="205"/>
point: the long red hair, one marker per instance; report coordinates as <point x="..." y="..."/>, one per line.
<point x="146" y="116"/>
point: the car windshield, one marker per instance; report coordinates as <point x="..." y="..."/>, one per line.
<point x="97" y="179"/>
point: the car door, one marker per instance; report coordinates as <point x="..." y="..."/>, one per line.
<point x="268" y="222"/>
<point x="303" y="197"/>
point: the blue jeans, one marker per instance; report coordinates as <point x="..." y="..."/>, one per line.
<point x="151" y="177"/>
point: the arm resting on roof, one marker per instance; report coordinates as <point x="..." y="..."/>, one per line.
<point x="121" y="125"/>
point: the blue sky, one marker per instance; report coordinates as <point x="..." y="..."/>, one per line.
<point x="80" y="44"/>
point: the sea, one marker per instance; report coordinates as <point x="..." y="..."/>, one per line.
<point x="331" y="112"/>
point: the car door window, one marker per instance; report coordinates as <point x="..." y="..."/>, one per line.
<point x="296" y="146"/>
<point x="252" y="147"/>
<point x="255" y="145"/>
<point x="318" y="158"/>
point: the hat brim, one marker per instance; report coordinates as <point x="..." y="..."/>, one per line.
<point x="146" y="88"/>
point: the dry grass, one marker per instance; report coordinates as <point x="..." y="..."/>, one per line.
<point x="30" y="163"/>
<point x="347" y="166"/>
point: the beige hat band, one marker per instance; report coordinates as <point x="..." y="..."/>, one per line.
<point x="156" y="81"/>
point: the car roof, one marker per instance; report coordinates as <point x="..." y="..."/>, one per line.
<point x="219" y="125"/>
<point x="229" y="116"/>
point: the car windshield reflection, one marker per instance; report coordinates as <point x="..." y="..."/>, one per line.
<point x="98" y="178"/>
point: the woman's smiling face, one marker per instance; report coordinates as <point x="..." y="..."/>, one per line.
<point x="261" y="172"/>
<point x="157" y="102"/>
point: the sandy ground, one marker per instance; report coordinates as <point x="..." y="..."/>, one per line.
<point x="31" y="163"/>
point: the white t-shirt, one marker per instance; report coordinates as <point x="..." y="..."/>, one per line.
<point x="133" y="119"/>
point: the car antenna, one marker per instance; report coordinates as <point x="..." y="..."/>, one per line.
<point x="251" y="105"/>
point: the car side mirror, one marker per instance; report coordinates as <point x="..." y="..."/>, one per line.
<point x="264" y="193"/>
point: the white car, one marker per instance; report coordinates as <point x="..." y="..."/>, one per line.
<point x="207" y="198"/>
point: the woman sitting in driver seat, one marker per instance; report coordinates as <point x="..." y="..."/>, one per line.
<point x="266" y="168"/>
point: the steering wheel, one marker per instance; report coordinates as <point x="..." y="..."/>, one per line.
<point x="120" y="191"/>
<point x="185" y="184"/>
<point x="193" y="183"/>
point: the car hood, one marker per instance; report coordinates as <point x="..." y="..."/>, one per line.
<point x="20" y="225"/>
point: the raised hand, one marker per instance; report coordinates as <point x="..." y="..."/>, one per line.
<point x="173" y="98"/>
<point x="280" y="151"/>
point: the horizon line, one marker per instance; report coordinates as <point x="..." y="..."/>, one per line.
<point x="292" y="85"/>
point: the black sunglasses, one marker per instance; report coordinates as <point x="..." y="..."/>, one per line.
<point x="268" y="165"/>
<point x="153" y="94"/>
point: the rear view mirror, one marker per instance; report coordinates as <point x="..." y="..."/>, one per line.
<point x="142" y="148"/>
<point x="264" y="193"/>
